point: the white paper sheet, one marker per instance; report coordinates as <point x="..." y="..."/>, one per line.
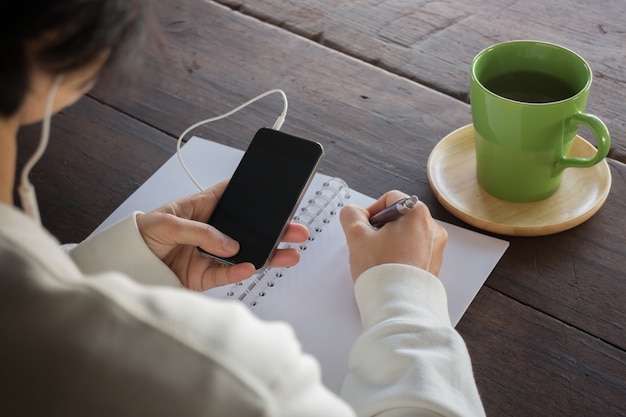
<point x="315" y="296"/>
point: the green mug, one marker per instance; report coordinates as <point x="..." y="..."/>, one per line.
<point x="528" y="100"/>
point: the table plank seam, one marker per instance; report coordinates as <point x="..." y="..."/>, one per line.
<point x="555" y="318"/>
<point x="493" y="288"/>
<point x="320" y="39"/>
<point x="131" y="116"/>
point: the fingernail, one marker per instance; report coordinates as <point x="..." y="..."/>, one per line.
<point x="230" y="245"/>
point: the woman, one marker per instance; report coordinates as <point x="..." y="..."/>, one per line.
<point x="81" y="336"/>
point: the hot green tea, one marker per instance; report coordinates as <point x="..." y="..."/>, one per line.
<point x="530" y="87"/>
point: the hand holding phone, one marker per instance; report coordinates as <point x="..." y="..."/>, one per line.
<point x="264" y="193"/>
<point x="174" y="231"/>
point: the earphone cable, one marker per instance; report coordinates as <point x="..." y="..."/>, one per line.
<point x="26" y="189"/>
<point x="277" y="125"/>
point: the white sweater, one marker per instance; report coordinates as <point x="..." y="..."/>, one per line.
<point x="81" y="338"/>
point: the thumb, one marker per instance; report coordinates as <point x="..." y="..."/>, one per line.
<point x="191" y="232"/>
<point x="169" y="230"/>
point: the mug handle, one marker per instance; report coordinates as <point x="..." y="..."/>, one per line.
<point x="599" y="129"/>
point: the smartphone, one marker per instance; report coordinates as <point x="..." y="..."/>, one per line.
<point x="264" y="193"/>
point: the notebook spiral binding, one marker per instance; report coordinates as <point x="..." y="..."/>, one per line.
<point x="319" y="211"/>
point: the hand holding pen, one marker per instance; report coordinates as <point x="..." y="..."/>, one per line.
<point x="394" y="211"/>
<point x="419" y="242"/>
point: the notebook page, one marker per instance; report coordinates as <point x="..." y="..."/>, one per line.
<point x="316" y="296"/>
<point x="208" y="161"/>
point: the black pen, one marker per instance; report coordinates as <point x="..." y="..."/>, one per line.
<point x="394" y="211"/>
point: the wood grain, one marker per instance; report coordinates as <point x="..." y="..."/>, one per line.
<point x="557" y="370"/>
<point x="546" y="333"/>
<point x="95" y="159"/>
<point x="452" y="175"/>
<point x="378" y="130"/>
<point x="434" y="42"/>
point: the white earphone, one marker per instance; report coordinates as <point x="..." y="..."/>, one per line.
<point x="277" y="125"/>
<point x="26" y="189"/>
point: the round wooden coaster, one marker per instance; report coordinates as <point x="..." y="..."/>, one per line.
<point x="452" y="176"/>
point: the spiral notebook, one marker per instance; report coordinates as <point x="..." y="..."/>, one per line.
<point x="321" y="204"/>
<point x="316" y="296"/>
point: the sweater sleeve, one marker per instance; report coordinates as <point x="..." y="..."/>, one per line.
<point x="408" y="361"/>
<point x="121" y="248"/>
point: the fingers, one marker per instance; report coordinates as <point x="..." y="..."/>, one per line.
<point x="353" y="218"/>
<point x="194" y="233"/>
<point x="215" y="274"/>
<point x="218" y="275"/>
<point x="413" y="239"/>
<point x="386" y="200"/>
<point x="285" y="258"/>
<point x="428" y="237"/>
<point x="201" y="204"/>
<point x="296" y="233"/>
<point x="174" y="230"/>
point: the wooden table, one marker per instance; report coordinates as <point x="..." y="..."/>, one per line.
<point x="379" y="83"/>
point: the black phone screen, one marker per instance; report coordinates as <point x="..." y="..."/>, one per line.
<point x="264" y="192"/>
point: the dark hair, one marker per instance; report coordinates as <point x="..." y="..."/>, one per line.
<point x="67" y="34"/>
